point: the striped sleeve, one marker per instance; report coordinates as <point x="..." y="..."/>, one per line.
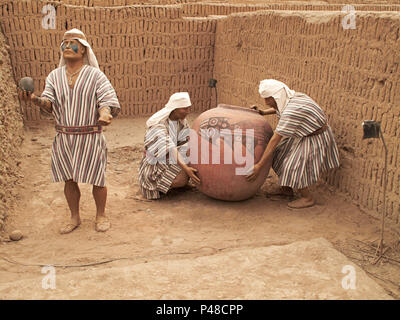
<point x="158" y="144"/>
<point x="301" y="117"/>
<point x="49" y="92"/>
<point x="106" y="96"/>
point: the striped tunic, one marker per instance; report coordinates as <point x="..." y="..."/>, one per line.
<point x="81" y="158"/>
<point x="156" y="173"/>
<point x="299" y="159"/>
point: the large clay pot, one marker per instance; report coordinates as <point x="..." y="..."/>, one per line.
<point x="221" y="180"/>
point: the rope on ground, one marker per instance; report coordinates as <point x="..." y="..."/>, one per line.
<point x="60" y="265"/>
<point x="105" y="261"/>
<point x="382" y="279"/>
<point x="382" y="256"/>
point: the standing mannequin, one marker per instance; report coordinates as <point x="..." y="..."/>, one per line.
<point x="82" y="100"/>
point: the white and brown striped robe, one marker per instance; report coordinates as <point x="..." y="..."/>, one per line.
<point x="156" y="173"/>
<point x="299" y="159"/>
<point x="81" y="158"/>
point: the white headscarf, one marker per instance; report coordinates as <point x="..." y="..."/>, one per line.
<point x="89" y="57"/>
<point x="278" y="90"/>
<point x="177" y="100"/>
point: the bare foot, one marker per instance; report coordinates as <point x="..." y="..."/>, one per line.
<point x="301" y="203"/>
<point x="102" y="224"/>
<point x="70" y="226"/>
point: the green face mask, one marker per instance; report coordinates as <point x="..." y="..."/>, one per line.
<point x="73" y="46"/>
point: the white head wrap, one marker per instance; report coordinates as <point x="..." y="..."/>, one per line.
<point x="278" y="90"/>
<point x="177" y="100"/>
<point x="89" y="57"/>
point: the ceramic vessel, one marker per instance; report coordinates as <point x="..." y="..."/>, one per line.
<point x="222" y="150"/>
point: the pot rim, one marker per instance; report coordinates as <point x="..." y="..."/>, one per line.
<point x="228" y="106"/>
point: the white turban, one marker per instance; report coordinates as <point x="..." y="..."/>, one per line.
<point x="177" y="100"/>
<point x="278" y="90"/>
<point x="89" y="57"/>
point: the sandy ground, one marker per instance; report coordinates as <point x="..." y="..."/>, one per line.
<point x="185" y="225"/>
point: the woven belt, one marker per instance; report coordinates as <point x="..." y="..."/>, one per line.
<point x="79" y="130"/>
<point x="318" y="131"/>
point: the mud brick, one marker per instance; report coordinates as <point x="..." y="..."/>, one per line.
<point x="180" y="27"/>
<point x="140" y="95"/>
<point x="18" y="24"/>
<point x="80" y="14"/>
<point x="147" y="12"/>
<point x="161" y="14"/>
<point x="118" y="69"/>
<point x="169" y="13"/>
<point x="89" y="15"/>
<point x="11" y="26"/>
<point x="31" y="40"/>
<point x="96" y="15"/>
<point x="19" y="6"/>
<point x="103" y="15"/>
<point x="139" y="55"/>
<point x="19" y="41"/>
<point x="146" y="25"/>
<point x="12" y="9"/>
<point x="133" y="28"/>
<point x="157" y="27"/>
<point x="141" y="25"/>
<point x="5" y="24"/>
<point x="3" y="10"/>
<point x="139" y="12"/>
<point x="37" y="25"/>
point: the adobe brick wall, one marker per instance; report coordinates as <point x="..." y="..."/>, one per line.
<point x="312" y="1"/>
<point x="164" y="48"/>
<point x="111" y="3"/>
<point x="353" y="74"/>
<point x="115" y="3"/>
<point x="147" y="52"/>
<point x="206" y="9"/>
<point x="11" y="131"/>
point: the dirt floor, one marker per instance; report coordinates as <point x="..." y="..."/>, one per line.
<point x="183" y="225"/>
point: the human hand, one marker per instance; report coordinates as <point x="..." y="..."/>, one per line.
<point x="191" y="172"/>
<point x="253" y="172"/>
<point x="105" y="116"/>
<point x="25" y="95"/>
<point x="254" y="107"/>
